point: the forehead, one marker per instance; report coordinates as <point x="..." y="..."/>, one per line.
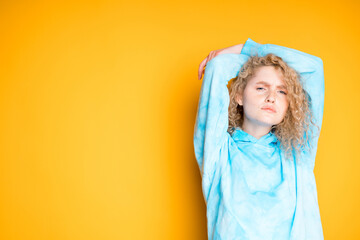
<point x="268" y="76"/>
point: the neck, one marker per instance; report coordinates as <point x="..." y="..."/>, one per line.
<point x="255" y="131"/>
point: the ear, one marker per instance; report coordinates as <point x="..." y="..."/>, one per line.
<point x="238" y="99"/>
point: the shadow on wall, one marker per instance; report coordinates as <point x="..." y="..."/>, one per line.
<point x="182" y="96"/>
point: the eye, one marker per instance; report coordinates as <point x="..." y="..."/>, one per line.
<point x="259" y="88"/>
<point x="282" y="92"/>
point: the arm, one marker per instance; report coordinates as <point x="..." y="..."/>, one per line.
<point x="210" y="131"/>
<point x="233" y="49"/>
<point x="311" y="72"/>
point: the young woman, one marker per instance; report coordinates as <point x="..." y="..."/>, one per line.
<point x="256" y="145"/>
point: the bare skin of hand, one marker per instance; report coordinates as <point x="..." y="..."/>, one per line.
<point x="233" y="49"/>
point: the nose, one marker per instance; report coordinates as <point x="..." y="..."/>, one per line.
<point x="271" y="97"/>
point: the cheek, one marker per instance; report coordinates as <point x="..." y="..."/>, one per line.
<point x="251" y="98"/>
<point x="285" y="106"/>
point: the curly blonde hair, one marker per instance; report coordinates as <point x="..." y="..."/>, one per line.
<point x="293" y="131"/>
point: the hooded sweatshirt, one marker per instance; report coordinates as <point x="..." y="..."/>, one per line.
<point x="251" y="190"/>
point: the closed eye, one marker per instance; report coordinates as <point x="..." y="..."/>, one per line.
<point x="283" y="92"/>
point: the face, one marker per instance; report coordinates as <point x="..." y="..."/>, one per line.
<point x="264" y="99"/>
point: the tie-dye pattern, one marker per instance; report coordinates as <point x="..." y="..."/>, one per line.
<point x="251" y="191"/>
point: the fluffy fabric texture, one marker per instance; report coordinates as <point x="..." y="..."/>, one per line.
<point x="251" y="191"/>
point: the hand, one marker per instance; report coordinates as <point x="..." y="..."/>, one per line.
<point x="233" y="49"/>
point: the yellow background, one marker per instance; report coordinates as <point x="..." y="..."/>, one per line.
<point x="98" y="102"/>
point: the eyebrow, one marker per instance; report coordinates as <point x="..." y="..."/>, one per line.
<point x="267" y="84"/>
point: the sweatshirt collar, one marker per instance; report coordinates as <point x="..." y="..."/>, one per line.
<point x="240" y="136"/>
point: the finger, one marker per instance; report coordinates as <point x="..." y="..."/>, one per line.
<point x="212" y="54"/>
<point x="217" y="53"/>
<point x="200" y="70"/>
<point x="204" y="62"/>
<point x="201" y="67"/>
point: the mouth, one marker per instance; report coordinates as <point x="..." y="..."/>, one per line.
<point x="270" y="110"/>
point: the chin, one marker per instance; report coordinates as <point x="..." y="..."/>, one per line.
<point x="271" y="122"/>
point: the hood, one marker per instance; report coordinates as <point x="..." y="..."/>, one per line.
<point x="240" y="136"/>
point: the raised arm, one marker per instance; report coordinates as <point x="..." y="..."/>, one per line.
<point x="210" y="131"/>
<point x="311" y="71"/>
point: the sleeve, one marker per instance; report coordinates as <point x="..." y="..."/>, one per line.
<point x="311" y="73"/>
<point x="210" y="131"/>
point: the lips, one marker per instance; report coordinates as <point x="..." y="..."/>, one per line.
<point x="269" y="109"/>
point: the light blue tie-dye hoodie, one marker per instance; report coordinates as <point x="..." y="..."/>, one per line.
<point x="251" y="191"/>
